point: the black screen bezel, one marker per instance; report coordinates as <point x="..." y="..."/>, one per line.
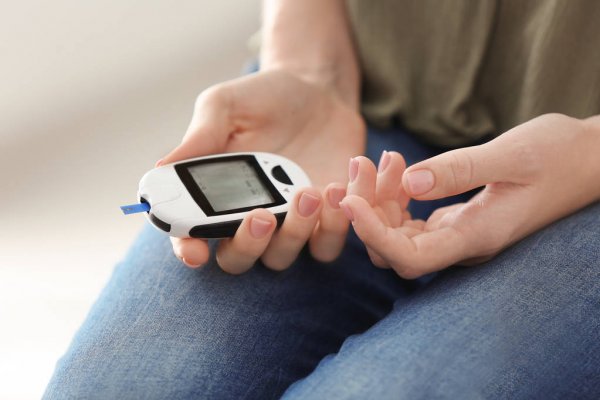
<point x="184" y="174"/>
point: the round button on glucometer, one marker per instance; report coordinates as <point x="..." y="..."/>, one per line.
<point x="279" y="174"/>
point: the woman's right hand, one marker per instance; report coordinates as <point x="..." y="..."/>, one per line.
<point x="276" y="111"/>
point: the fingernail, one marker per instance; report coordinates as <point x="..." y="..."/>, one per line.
<point x="384" y="161"/>
<point x="158" y="163"/>
<point x="353" y="169"/>
<point x="259" y="227"/>
<point x="186" y="262"/>
<point x="420" y="181"/>
<point x="347" y="211"/>
<point x="307" y="204"/>
<point x="335" y="196"/>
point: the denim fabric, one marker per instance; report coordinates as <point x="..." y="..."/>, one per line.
<point x="525" y="325"/>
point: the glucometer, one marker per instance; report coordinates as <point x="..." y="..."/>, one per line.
<point x="207" y="197"/>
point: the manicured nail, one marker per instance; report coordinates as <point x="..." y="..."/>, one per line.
<point x="308" y="204"/>
<point x="186" y="262"/>
<point x="353" y="169"/>
<point x="420" y="181"/>
<point x="347" y="211"/>
<point x="384" y="161"/>
<point x="158" y="163"/>
<point x="259" y="227"/>
<point x="336" y="195"/>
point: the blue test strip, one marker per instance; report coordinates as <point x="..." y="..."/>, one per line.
<point x="135" y="208"/>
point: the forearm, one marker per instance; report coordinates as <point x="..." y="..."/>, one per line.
<point x="312" y="39"/>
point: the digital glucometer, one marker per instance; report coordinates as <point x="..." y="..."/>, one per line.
<point x="208" y="197"/>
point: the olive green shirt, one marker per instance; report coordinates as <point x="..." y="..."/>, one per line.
<point x="454" y="71"/>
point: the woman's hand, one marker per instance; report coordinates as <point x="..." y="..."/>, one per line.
<point x="277" y="112"/>
<point x="533" y="175"/>
<point x="303" y="105"/>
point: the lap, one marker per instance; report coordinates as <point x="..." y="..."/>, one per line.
<point x="160" y="330"/>
<point x="524" y="325"/>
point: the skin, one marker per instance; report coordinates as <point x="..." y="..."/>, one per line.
<point x="533" y="175"/>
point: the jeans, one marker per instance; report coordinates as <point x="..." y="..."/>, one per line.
<point x="524" y="325"/>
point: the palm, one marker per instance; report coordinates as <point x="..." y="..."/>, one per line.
<point x="470" y="219"/>
<point x="279" y="113"/>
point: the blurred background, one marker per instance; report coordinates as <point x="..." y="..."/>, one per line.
<point x="92" y="94"/>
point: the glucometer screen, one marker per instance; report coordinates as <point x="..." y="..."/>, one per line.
<point x="230" y="185"/>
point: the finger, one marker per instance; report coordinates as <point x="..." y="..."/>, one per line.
<point x="390" y="194"/>
<point x="409" y="228"/>
<point x="209" y="129"/>
<point x="295" y="231"/>
<point x="409" y="257"/>
<point x="363" y="182"/>
<point x="327" y="241"/>
<point x="192" y="252"/>
<point x="362" y="178"/>
<point x="377" y="260"/>
<point x="461" y="170"/>
<point x="238" y="254"/>
<point x="389" y="179"/>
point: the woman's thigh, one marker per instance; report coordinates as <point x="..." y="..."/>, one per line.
<point x="524" y="325"/>
<point x="161" y="330"/>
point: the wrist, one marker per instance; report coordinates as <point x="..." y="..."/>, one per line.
<point x="343" y="83"/>
<point x="311" y="39"/>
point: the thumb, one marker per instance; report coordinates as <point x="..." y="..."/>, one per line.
<point x="209" y="129"/>
<point x="459" y="171"/>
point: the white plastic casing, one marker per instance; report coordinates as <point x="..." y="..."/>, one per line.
<point x="172" y="203"/>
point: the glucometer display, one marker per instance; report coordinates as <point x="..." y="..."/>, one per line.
<point x="229" y="185"/>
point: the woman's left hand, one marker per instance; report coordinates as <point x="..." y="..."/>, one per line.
<point x="533" y="175"/>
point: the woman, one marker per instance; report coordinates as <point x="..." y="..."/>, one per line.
<point x="436" y="77"/>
